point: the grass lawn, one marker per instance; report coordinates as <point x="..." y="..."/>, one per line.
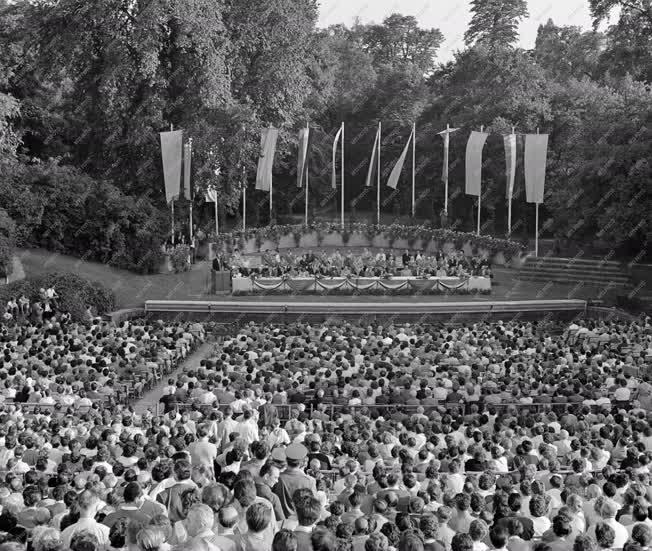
<point x="133" y="289"/>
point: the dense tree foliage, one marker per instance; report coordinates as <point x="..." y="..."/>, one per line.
<point x="495" y="22"/>
<point x="85" y="87"/>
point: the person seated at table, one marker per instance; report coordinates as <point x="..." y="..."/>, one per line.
<point x="406" y="258"/>
<point x="392" y="262"/>
<point x="441" y="271"/>
<point x="358" y="265"/>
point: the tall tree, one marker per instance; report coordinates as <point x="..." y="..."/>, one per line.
<point x="400" y="40"/>
<point x="568" y="51"/>
<point x="629" y="46"/>
<point x="269" y="52"/>
<point x="495" y="22"/>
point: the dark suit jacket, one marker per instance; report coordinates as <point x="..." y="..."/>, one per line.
<point x="263" y="490"/>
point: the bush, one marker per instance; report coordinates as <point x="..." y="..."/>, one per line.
<point x="76" y="294"/>
<point x="64" y="210"/>
<point x="179" y="259"/>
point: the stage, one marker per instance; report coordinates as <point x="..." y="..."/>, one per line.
<point x="422" y="309"/>
<point x="361" y="284"/>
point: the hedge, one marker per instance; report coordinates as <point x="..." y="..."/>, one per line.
<point x="76" y="293"/>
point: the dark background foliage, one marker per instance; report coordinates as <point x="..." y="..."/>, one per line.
<point x="85" y="87"/>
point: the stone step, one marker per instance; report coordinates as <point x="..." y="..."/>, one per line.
<point x="556" y="278"/>
<point x="574" y="266"/>
<point x="573" y="273"/>
<point x="576" y="261"/>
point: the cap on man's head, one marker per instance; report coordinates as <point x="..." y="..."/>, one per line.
<point x="296" y="452"/>
<point x="278" y="454"/>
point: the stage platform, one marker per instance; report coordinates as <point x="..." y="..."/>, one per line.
<point x="377" y="310"/>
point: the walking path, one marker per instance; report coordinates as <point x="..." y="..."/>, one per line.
<point x="151" y="398"/>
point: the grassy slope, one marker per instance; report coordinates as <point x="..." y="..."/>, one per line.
<point x="132" y="289"/>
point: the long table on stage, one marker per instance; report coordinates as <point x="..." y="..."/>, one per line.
<point x="362" y="284"/>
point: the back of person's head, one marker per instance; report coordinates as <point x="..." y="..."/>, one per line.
<point x="227" y="516"/>
<point x="608" y="509"/>
<point x="87" y="500"/>
<point x="150" y="538"/>
<point x="498" y="536"/>
<point x="642" y="534"/>
<point x="429" y="527"/>
<point x="245" y="492"/>
<point x="605" y="535"/>
<point x="323" y="540"/>
<point x="584" y="543"/>
<point x="132" y="492"/>
<point x="284" y="540"/>
<point x="48" y="539"/>
<point x="258" y="517"/>
<point x="376" y="542"/>
<point x="514" y="526"/>
<point x="538" y="506"/>
<point x="410" y="541"/>
<point x="308" y="510"/>
<point x="462" y="542"/>
<point x="118" y="533"/>
<point x="478" y="530"/>
<point x="84" y="541"/>
<point x="200" y="518"/>
<point x="561" y="526"/>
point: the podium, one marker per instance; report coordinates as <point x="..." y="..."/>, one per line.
<point x="220" y="282"/>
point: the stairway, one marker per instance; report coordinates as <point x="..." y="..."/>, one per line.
<point x="599" y="273"/>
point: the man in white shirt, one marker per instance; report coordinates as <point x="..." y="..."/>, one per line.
<point x="89" y="505"/>
<point x="203" y="452"/>
<point x="608" y="513"/>
<point x="247" y="427"/>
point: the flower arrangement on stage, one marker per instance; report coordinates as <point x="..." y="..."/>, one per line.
<point x="370" y="231"/>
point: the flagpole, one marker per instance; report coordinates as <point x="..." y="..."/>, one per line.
<point x="217" y="223"/>
<point x="190" y="189"/>
<point x="172" y="203"/>
<point x="342" y="213"/>
<point x="536" y="224"/>
<point x="380" y="139"/>
<point x="270" y="195"/>
<point x="509" y="199"/>
<point x="446" y="145"/>
<point x="480" y="193"/>
<point x="414" y="145"/>
<point x="244" y="198"/>
<point x="307" y="172"/>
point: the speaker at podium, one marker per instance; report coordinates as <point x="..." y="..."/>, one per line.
<point x="220" y="282"/>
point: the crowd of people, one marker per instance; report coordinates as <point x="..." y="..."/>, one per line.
<point x="383" y="264"/>
<point x="336" y="437"/>
<point x="22" y="308"/>
<point x="58" y="363"/>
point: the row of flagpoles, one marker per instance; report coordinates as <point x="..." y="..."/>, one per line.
<point x="175" y="154"/>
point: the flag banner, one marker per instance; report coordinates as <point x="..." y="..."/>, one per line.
<point x="187" y="154"/>
<point x="398" y="167"/>
<point x="302" y="167"/>
<point x="510" y="159"/>
<point x="446" y="134"/>
<point x="372" y="163"/>
<point x="171" y="151"/>
<point x="268" y="139"/>
<point x="536" y="153"/>
<point x="335" y="142"/>
<point x="211" y="195"/>
<point x="474" y="149"/>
